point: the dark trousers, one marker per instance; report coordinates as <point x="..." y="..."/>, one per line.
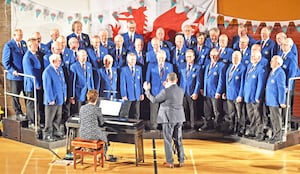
<point x="254" y="112"/>
<point x="16" y="87"/>
<point x="173" y="131"/>
<point x="131" y="109"/>
<point x="153" y="115"/>
<point x="30" y="108"/>
<point x="52" y="120"/>
<point x="235" y="116"/>
<point x="189" y="109"/>
<point x="276" y="122"/>
<point x="213" y="111"/>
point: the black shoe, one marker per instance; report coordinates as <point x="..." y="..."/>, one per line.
<point x="60" y="135"/>
<point x="49" y="138"/>
<point x="21" y="117"/>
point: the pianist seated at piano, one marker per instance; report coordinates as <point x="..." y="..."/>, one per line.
<point x="91" y="120"/>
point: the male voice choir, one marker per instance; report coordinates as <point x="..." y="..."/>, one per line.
<point x="239" y="88"/>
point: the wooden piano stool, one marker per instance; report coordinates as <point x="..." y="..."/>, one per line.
<point x="88" y="147"/>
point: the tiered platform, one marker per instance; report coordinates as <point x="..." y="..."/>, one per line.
<point x="19" y="131"/>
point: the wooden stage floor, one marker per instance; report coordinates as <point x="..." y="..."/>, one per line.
<point x="203" y="156"/>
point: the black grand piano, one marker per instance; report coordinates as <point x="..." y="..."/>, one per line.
<point x="119" y="128"/>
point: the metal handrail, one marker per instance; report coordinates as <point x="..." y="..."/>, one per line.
<point x="22" y="96"/>
<point x="287" y="122"/>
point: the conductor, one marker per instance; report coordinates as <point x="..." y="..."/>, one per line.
<point x="171" y="116"/>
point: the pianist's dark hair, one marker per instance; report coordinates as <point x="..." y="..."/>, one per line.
<point x="92" y="96"/>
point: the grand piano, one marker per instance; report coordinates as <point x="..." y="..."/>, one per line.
<point x="119" y="129"/>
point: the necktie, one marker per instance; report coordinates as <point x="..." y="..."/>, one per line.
<point x="132" y="71"/>
<point x="177" y="55"/>
<point x="199" y="48"/>
<point x="141" y="60"/>
<point x="250" y="70"/>
<point x="262" y="44"/>
<point x="78" y="38"/>
<point x="57" y="71"/>
<point x="131" y="37"/>
<point x="220" y="51"/>
<point x="242" y="51"/>
<point x="118" y="53"/>
<point x="212" y="65"/>
<point x="19" y="45"/>
<point x="161" y="71"/>
<point x="97" y="53"/>
<point x="75" y="54"/>
<point x="283" y="55"/>
<point x="109" y="74"/>
<point x="105" y="45"/>
<point x="231" y="72"/>
<point x="188" y="70"/>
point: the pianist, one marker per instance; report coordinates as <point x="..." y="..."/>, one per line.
<point x="91" y="119"/>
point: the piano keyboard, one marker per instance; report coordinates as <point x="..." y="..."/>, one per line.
<point x="119" y="123"/>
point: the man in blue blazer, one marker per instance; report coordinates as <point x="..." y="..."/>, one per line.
<point x="156" y="75"/>
<point x="164" y="44"/>
<point x="32" y="67"/>
<point x="178" y="52"/>
<point x="276" y="97"/>
<point x="118" y="52"/>
<point x="12" y="56"/>
<point x="190" y="82"/>
<point x="131" y="86"/>
<point x="83" y="39"/>
<point x="82" y="80"/>
<point x="214" y="87"/>
<point x="55" y="94"/>
<point x="151" y="54"/>
<point x="104" y="40"/>
<point x="131" y="35"/>
<point x="255" y="80"/>
<point x="280" y="37"/>
<point x="189" y="39"/>
<point x="225" y="53"/>
<point x="212" y="40"/>
<point x="235" y="76"/>
<point x="95" y="57"/>
<point x="267" y="44"/>
<point x="201" y="50"/>
<point x="242" y="32"/>
<point x="108" y="75"/>
<point x="289" y="66"/>
<point x="245" y="49"/>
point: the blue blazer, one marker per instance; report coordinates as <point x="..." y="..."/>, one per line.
<point x="12" y="57"/>
<point x="202" y="56"/>
<point x="166" y="45"/>
<point x="190" y="82"/>
<point x="254" y="83"/>
<point x="226" y="55"/>
<point x="153" y="76"/>
<point x="107" y="83"/>
<point x="128" y="43"/>
<point x="109" y="45"/>
<point x="32" y="66"/>
<point x="246" y="57"/>
<point x="181" y="57"/>
<point x="209" y="44"/>
<point x="290" y="67"/>
<point x="214" y="79"/>
<point x="235" y="82"/>
<point x="68" y="59"/>
<point x="236" y="40"/>
<point x="140" y="60"/>
<point x="131" y="86"/>
<point x="81" y="83"/>
<point x="275" y="88"/>
<point x="54" y="84"/>
<point x="97" y="62"/>
<point x="267" y="50"/>
<point x="191" y="43"/>
<point x="84" y="42"/>
<point x="43" y="48"/>
<point x="119" y="61"/>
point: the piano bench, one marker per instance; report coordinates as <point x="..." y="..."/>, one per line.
<point x="88" y="147"/>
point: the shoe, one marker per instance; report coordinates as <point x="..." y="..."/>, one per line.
<point x="111" y="158"/>
<point x="21" y="117"/>
<point x="60" y="135"/>
<point x="168" y="165"/>
<point x="179" y="165"/>
<point x="49" y="138"/>
<point x="31" y="126"/>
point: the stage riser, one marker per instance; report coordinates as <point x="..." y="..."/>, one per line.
<point x="19" y="131"/>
